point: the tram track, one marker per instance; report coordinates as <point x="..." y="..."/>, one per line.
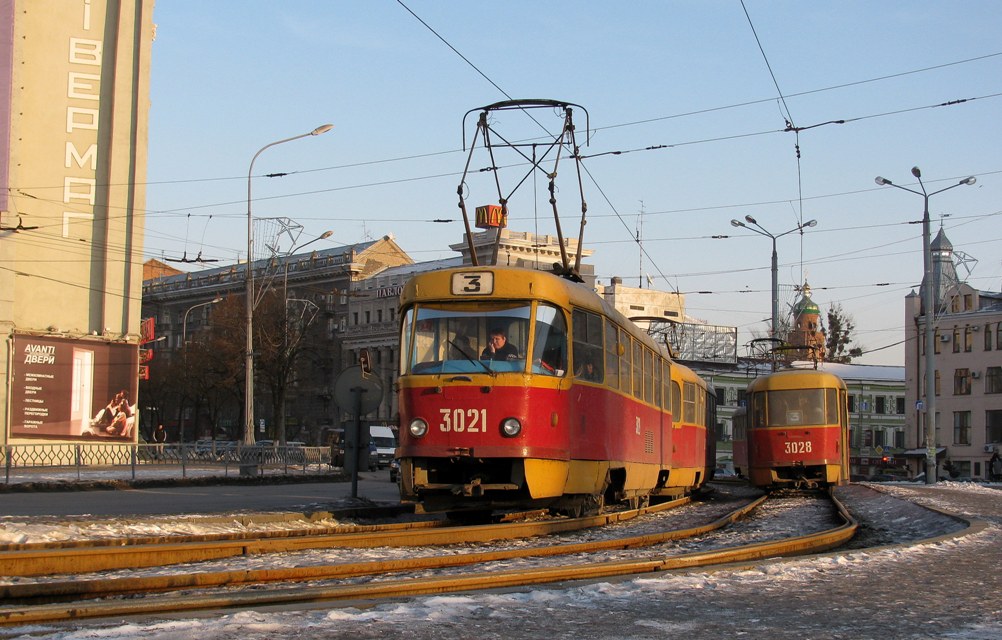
<point x="75" y="599"/>
<point x="90" y="556"/>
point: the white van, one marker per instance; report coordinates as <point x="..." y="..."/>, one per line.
<point x="386" y="444"/>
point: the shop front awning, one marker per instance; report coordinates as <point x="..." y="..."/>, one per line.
<point x="921" y="453"/>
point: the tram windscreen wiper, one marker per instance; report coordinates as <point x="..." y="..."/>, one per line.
<point x="466" y="355"/>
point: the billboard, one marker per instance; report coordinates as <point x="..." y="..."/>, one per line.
<point x="65" y="388"/>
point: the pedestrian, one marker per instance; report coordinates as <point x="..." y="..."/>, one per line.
<point x="160" y="437"/>
<point x="995" y="467"/>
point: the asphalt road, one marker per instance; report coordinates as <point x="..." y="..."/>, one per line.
<point x="310" y="496"/>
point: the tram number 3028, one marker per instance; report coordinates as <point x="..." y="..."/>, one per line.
<point x="802" y="446"/>
<point x="463" y="420"/>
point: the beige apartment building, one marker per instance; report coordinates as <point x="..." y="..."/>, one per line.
<point x="968" y="370"/>
<point x="74" y="103"/>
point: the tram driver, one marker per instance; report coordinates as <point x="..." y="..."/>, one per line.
<point x="498" y="347"/>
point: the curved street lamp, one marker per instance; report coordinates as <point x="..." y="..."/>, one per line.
<point x="248" y="438"/>
<point x="929" y="302"/>
<point x="775" y="263"/>
<point x="184" y="323"/>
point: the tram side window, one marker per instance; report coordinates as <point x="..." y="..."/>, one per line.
<point x="676" y="401"/>
<point x="648" y="375"/>
<point x="666" y="395"/>
<point x="757" y="410"/>
<point x="700" y="406"/>
<point x="405" y="339"/>
<point x="689" y="408"/>
<point x="658" y="362"/>
<point x="549" y="353"/>
<point x="612" y="347"/>
<point x="831" y="406"/>
<point x="638" y="370"/>
<point x="587" y="352"/>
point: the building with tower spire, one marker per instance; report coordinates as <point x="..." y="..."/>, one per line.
<point x="806" y="340"/>
<point x="944" y="273"/>
<point x="967" y="329"/>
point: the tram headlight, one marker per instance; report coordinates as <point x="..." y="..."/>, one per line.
<point x="511" y="427"/>
<point x="418" y="428"/>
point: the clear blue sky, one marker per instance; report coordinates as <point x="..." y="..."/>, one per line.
<point x="229" y="77"/>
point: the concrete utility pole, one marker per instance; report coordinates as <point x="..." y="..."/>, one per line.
<point x="929" y="302"/>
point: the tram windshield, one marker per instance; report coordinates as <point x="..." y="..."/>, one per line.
<point x="486" y="338"/>
<point x="795" y="407"/>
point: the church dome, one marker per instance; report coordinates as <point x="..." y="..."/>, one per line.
<point x="805" y="305"/>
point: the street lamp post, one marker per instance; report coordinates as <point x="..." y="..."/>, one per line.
<point x="929" y="302"/>
<point x="184" y="323"/>
<point x="775" y="262"/>
<point x="248" y="438"/>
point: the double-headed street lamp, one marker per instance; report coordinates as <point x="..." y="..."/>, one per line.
<point x="248" y="438"/>
<point x="929" y="302"/>
<point x="775" y="266"/>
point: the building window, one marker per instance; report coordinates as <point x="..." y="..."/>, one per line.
<point x="379" y="315"/>
<point x="900" y="405"/>
<point x="937" y="382"/>
<point x="998" y="336"/>
<point x="988" y="337"/>
<point x="961" y="427"/>
<point x="993" y="380"/>
<point x="721" y="395"/>
<point x="742" y="398"/>
<point x="968" y="302"/>
<point x="881" y="405"/>
<point x="878" y="438"/>
<point x="368" y="317"/>
<point x="968" y="339"/>
<point x="955" y="304"/>
<point x="354" y="317"/>
<point x="961" y="382"/>
<point x="956" y="339"/>
<point x="993" y="426"/>
<point x="852" y="404"/>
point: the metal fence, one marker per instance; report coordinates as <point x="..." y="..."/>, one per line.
<point x="87" y="460"/>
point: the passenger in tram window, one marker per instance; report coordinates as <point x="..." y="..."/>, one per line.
<point x="498" y="347"/>
<point x="589" y="371"/>
<point x="462" y="348"/>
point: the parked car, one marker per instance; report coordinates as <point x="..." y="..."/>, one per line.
<point x="887" y="477"/>
<point x="921" y="477"/>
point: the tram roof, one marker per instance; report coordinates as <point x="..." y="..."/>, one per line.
<point x="796" y="379"/>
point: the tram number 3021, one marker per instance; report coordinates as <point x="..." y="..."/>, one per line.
<point x="463" y="420"/>
<point x="801" y="446"/>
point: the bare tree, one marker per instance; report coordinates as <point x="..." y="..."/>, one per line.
<point x="839" y="337"/>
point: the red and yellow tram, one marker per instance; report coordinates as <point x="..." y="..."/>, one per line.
<point x="576" y="408"/>
<point x="794" y="432"/>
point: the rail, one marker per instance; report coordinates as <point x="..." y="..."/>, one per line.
<point x="90" y="459"/>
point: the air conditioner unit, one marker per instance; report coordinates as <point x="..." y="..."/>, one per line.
<point x="944" y="338"/>
<point x="989" y="448"/>
<point x="976" y="327"/>
<point x="975" y="374"/>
